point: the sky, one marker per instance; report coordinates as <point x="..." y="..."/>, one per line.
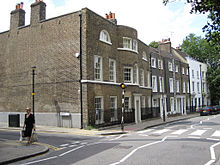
<point x="152" y="20"/>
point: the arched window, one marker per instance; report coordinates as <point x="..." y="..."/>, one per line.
<point x="144" y="56"/>
<point x="104" y="36"/>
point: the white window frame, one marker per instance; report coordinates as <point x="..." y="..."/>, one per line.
<point x="172" y="104"/>
<point x="184" y="87"/>
<point x="131" y="74"/>
<point x="129" y="104"/>
<point x="96" y="58"/>
<point x="153" y="62"/>
<point x="170" y="66"/>
<point x="112" y="70"/>
<point x="99" y="115"/>
<point x="141" y="77"/>
<point x="160" y="64"/>
<point x="193" y="73"/>
<point x="136" y="74"/>
<point x="183" y="70"/>
<point x="154" y="83"/>
<point x="144" y="56"/>
<point x="187" y="71"/>
<point x="105" y="37"/>
<point x="115" y="117"/>
<point x="177" y="69"/>
<point x="198" y="88"/>
<point x="171" y="85"/>
<point x="148" y="78"/>
<point x="177" y="86"/>
<point x="127" y="43"/>
<point x="135" y="45"/>
<point x="193" y="86"/>
<point x="197" y="74"/>
<point x="161" y="82"/>
<point x="188" y="87"/>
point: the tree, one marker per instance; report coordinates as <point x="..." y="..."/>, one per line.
<point x="201" y="50"/>
<point x="212" y="7"/>
<point x="154" y="44"/>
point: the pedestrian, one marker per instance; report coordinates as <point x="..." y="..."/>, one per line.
<point x="29" y="124"/>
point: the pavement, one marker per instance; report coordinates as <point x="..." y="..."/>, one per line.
<point x="14" y="150"/>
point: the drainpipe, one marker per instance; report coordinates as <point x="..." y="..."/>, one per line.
<point x="201" y="83"/>
<point x="151" y="81"/>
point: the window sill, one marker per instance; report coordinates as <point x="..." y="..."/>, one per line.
<point x="106" y="42"/>
<point x="126" y="49"/>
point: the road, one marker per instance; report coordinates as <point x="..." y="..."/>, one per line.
<point x="190" y="142"/>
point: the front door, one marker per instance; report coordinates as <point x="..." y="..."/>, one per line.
<point x="137" y="104"/>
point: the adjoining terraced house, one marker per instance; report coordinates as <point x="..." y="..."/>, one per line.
<point x="111" y="54"/>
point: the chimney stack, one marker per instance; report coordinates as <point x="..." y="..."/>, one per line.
<point x="17" y="16"/>
<point x="111" y="17"/>
<point x="165" y="45"/>
<point x="38" y="12"/>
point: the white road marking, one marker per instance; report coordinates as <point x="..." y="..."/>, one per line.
<point x="40" y="160"/>
<point x="145" y="131"/>
<point x="116" y="138"/>
<point x="213" y="139"/>
<point x="72" y="145"/>
<point x="216" y="133"/>
<point x="161" y="131"/>
<point x="64" y="145"/>
<point x="212" y="151"/>
<point x="136" y="149"/>
<point x="198" y="132"/>
<point x="71" y="151"/>
<point x="193" y="137"/>
<point x="179" y="132"/>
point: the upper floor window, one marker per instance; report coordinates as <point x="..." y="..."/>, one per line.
<point x="198" y="74"/>
<point x="154" y="83"/>
<point x="128" y="74"/>
<point x="153" y="62"/>
<point x="97" y="68"/>
<point x="112" y="70"/>
<point x="148" y="79"/>
<point x="177" y="68"/>
<point x="187" y="71"/>
<point x="183" y="70"/>
<point x="198" y="88"/>
<point x="193" y="86"/>
<point x="170" y="66"/>
<point x="144" y="56"/>
<point x="136" y="74"/>
<point x="171" y="85"/>
<point x="135" y="45"/>
<point x="192" y="73"/>
<point x="104" y="36"/>
<point x="127" y="43"/>
<point x="142" y="77"/>
<point x="161" y="84"/>
<point x="187" y="87"/>
<point x="160" y="64"/>
<point x="184" y="87"/>
<point x="177" y="86"/>
<point x="203" y="74"/>
<point x="130" y="44"/>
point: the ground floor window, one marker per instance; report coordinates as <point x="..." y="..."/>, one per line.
<point x="99" y="110"/>
<point x="113" y="108"/>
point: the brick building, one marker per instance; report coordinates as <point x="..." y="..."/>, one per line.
<point x="111" y="54"/>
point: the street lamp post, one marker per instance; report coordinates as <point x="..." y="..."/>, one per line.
<point x="33" y="74"/>
<point x="123" y="86"/>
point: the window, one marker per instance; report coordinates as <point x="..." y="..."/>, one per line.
<point x="197" y="74"/>
<point x="177" y="86"/>
<point x="143" y="101"/>
<point x="171" y="84"/>
<point x="184" y="87"/>
<point x="172" y="104"/>
<point x="104" y="36"/>
<point x="154" y="83"/>
<point x="136" y="78"/>
<point x="161" y="84"/>
<point x="170" y="66"/>
<point x="148" y="79"/>
<point x="142" y="77"/>
<point x="135" y="45"/>
<point x="160" y="64"/>
<point x="153" y="62"/>
<point x="198" y="87"/>
<point x="127" y="43"/>
<point x="98" y="68"/>
<point x="188" y="87"/>
<point x="177" y="68"/>
<point x="127" y="104"/>
<point x="144" y="56"/>
<point x="187" y="71"/>
<point x="128" y="74"/>
<point x="99" y="110"/>
<point x="192" y="73"/>
<point x="183" y="70"/>
<point x="203" y="87"/>
<point x="203" y="74"/>
<point x="112" y="70"/>
<point x="193" y="86"/>
<point x="113" y="108"/>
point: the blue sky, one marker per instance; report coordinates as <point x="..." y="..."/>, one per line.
<point x="150" y="18"/>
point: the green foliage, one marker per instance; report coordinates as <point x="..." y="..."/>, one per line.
<point x="201" y="50"/>
<point x="154" y="44"/>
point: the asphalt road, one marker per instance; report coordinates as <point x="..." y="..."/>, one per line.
<point x="190" y="142"/>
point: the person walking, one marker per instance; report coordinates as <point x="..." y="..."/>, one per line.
<point x="29" y="124"/>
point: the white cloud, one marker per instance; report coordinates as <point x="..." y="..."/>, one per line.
<point x="151" y="19"/>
